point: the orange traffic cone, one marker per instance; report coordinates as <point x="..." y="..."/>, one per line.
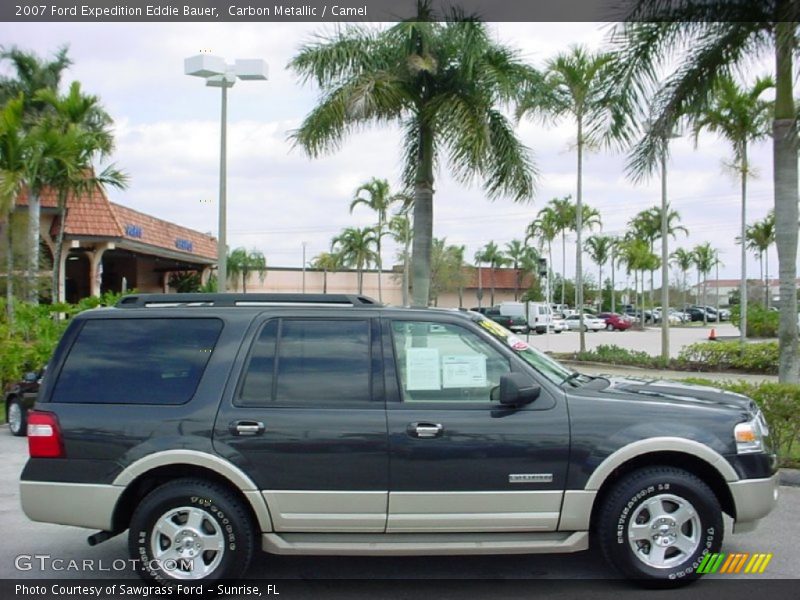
<point x="712" y="336"/>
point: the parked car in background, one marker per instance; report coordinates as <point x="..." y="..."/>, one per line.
<point x="635" y="314"/>
<point x="697" y="313"/>
<point x="557" y="324"/>
<point x="589" y="323"/>
<point x="615" y="321"/>
<point x="510" y="322"/>
<point x="19" y="398"/>
<point x="724" y="313"/>
<point x="537" y="315"/>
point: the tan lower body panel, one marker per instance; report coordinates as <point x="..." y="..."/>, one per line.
<point x="78" y="504"/>
<point x="473" y="511"/>
<point x="406" y="544"/>
<point x="311" y="511"/>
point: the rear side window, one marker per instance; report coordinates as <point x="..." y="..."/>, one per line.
<point x="137" y="361"/>
<point x="308" y="362"/>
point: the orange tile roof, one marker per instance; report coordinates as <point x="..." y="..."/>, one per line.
<point x="94" y="215"/>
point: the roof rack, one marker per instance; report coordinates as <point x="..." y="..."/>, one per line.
<point x="244" y="300"/>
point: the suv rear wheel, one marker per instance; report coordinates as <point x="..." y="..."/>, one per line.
<point x="658" y="523"/>
<point x="191" y="529"/>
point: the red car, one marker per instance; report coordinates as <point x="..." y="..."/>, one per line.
<point x="615" y="321"/>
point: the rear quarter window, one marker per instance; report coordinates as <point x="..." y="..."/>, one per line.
<point x="137" y="361"/>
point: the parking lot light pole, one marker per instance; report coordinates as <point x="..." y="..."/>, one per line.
<point x="218" y="73"/>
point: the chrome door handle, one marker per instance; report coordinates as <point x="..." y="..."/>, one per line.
<point x="425" y="430"/>
<point x="247" y="427"/>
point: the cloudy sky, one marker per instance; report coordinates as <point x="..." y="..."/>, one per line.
<point x="167" y="128"/>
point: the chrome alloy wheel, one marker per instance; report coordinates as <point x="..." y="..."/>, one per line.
<point x="664" y="531"/>
<point x="14" y="417"/>
<point x="187" y="543"/>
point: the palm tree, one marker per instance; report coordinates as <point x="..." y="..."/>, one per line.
<point x="683" y="259"/>
<point x="544" y="229"/>
<point x="705" y="257"/>
<point x="13" y="170"/>
<point x="376" y="195"/>
<point x="699" y="41"/>
<point x="241" y="262"/>
<point x="443" y="81"/>
<point x="356" y="247"/>
<point x="327" y="261"/>
<point x="741" y="117"/>
<point x="580" y="85"/>
<point x="516" y="253"/>
<point x="599" y="249"/>
<point x="759" y="237"/>
<point x="638" y="258"/>
<point x="401" y="230"/>
<point x="492" y="254"/>
<point x="457" y="258"/>
<point x="648" y="225"/>
<point x="83" y="135"/>
<point x="32" y="75"/>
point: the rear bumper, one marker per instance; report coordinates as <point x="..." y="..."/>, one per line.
<point x="77" y="504"/>
<point x="754" y="499"/>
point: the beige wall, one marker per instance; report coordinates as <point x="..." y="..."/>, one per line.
<point x="286" y="282"/>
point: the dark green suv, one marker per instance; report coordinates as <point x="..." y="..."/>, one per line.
<point x="211" y="425"/>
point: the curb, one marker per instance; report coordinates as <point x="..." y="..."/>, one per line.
<point x="790" y="477"/>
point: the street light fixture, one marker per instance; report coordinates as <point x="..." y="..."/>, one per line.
<point x="218" y="73"/>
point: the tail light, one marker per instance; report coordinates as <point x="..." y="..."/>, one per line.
<point x="44" y="435"/>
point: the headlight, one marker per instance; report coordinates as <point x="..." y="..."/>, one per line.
<point x="750" y="435"/>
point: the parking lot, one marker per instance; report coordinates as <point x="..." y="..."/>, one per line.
<point x="777" y="534"/>
<point x="647" y="340"/>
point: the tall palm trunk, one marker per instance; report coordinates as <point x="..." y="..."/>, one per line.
<point x="664" y="257"/>
<point x="492" y="266"/>
<point x="613" y="287"/>
<point x="325" y="281"/>
<point x="766" y="279"/>
<point x="407" y="267"/>
<point x="380" y="259"/>
<point x="59" y="249"/>
<point x="705" y="312"/>
<point x="563" y="264"/>
<point x="32" y="272"/>
<point x="423" y="218"/>
<point x="6" y="227"/>
<point x="743" y="282"/>
<point x="578" y="245"/>
<point x="786" y="214"/>
<point x="600" y="288"/>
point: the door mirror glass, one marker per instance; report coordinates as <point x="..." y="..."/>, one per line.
<point x="30" y="377"/>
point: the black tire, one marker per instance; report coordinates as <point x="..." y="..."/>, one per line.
<point x="223" y="515"/>
<point x="17" y="427"/>
<point x="659" y="485"/>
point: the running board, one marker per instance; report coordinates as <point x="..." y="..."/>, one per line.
<point x="411" y="544"/>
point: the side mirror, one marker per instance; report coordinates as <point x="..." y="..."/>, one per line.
<point x="30" y="377"/>
<point x="517" y="389"/>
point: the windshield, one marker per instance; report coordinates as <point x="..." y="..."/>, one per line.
<point x="551" y="369"/>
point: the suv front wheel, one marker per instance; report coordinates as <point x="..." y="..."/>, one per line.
<point x="191" y="529"/>
<point x="658" y="523"/>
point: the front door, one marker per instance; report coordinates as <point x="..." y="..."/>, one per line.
<point x="307" y="422"/>
<point x="458" y="460"/>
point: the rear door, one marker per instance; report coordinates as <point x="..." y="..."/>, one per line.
<point x="460" y="461"/>
<point x="307" y="422"/>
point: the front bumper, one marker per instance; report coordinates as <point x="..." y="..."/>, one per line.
<point x="754" y="499"/>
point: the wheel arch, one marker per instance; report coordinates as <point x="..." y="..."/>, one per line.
<point x="141" y="477"/>
<point x="701" y="468"/>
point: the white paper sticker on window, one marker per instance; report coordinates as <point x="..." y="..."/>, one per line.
<point x="422" y="369"/>
<point x="464" y="371"/>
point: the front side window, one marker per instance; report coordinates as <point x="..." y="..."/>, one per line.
<point x="308" y="362"/>
<point x="137" y="361"/>
<point x="440" y="362"/>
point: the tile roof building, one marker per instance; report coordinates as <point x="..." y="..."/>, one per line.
<point x="110" y="247"/>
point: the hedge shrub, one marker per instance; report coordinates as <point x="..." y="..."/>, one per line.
<point x="760" y="357"/>
<point x="780" y="403"/>
<point x="761" y="323"/>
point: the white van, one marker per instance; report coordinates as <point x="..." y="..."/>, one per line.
<point x="537" y="314"/>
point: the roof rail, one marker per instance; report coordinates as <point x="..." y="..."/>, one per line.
<point x="243" y="300"/>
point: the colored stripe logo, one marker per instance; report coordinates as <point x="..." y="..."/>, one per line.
<point x="737" y="562"/>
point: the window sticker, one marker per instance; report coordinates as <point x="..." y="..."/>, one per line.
<point x="422" y="369"/>
<point x="464" y="371"/>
